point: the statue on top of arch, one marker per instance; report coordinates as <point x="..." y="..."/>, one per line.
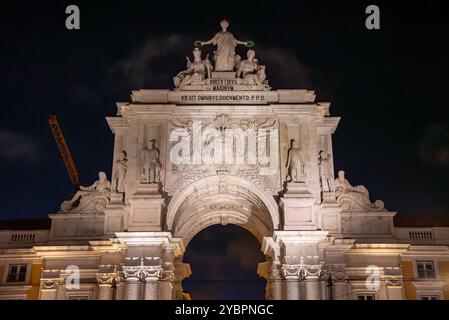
<point x="247" y="72"/>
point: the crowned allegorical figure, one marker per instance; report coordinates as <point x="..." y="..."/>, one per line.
<point x="225" y="41"/>
<point x="196" y="71"/>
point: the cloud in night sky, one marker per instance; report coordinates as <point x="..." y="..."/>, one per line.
<point x="284" y="68"/>
<point x="19" y="146"/>
<point x="151" y="62"/>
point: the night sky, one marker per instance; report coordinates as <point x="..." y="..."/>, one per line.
<point x="390" y="87"/>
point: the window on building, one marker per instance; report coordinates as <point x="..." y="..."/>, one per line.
<point x="78" y="297"/>
<point x="17" y="273"/>
<point x="425" y="269"/>
<point x="430" y="297"/>
<point x="366" y="296"/>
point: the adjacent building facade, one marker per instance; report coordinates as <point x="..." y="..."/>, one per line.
<point x="223" y="147"/>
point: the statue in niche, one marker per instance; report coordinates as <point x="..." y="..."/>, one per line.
<point x="121" y="165"/>
<point x="90" y="199"/>
<point x="295" y="163"/>
<point x="324" y="170"/>
<point x="224" y="57"/>
<point x="196" y="71"/>
<point x="151" y="166"/>
<point x="354" y="197"/>
<point x="251" y="71"/>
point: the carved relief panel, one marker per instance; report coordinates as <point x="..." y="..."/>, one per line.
<point x="208" y="146"/>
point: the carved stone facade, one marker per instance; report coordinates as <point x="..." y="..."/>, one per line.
<point x="224" y="148"/>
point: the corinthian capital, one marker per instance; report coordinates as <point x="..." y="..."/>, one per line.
<point x="292" y="271"/>
<point x="130" y="272"/>
<point x="312" y="271"/>
<point x="107" y="278"/>
<point x="168" y="275"/>
<point x="151" y="273"/>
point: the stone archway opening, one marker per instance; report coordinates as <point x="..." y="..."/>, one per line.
<point x="224" y="260"/>
<point x="228" y="201"/>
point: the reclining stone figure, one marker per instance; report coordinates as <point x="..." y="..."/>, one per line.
<point x="89" y="199"/>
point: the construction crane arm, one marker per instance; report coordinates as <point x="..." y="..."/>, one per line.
<point x="64" y="150"/>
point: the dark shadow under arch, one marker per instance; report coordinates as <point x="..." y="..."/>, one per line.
<point x="224" y="262"/>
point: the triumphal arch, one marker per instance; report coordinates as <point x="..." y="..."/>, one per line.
<point x="223" y="147"/>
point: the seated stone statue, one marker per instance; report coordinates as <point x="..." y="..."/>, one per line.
<point x="251" y="71"/>
<point x="89" y="199"/>
<point x="196" y="71"/>
<point x="354" y="197"/>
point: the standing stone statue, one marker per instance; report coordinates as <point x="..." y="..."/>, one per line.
<point x="226" y="43"/>
<point x="118" y="184"/>
<point x="324" y="169"/>
<point x="151" y="166"/>
<point x="295" y="163"/>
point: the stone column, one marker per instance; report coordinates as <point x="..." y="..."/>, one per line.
<point x="131" y="282"/>
<point x="293" y="276"/>
<point x="105" y="282"/>
<point x="50" y="285"/>
<point x="151" y="273"/>
<point x="312" y="282"/>
<point x="313" y="289"/>
<point x="152" y="276"/>
<point x="150" y="254"/>
<point x="272" y="272"/>
<point x="151" y="289"/>
<point x="339" y="292"/>
<point x="166" y="286"/>
<point x="49" y="289"/>
<point x="104" y="292"/>
<point x="277" y="287"/>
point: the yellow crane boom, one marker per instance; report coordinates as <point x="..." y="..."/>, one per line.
<point x="64" y="150"/>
